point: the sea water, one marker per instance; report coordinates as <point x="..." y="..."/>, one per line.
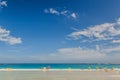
<point x="58" y="66"/>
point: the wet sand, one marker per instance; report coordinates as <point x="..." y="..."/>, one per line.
<point x="59" y="75"/>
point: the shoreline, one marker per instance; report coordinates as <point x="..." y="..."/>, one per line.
<point x="11" y="69"/>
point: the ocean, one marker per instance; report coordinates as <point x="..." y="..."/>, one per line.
<point x="58" y="66"/>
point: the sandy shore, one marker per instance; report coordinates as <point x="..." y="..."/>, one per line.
<point x="59" y="75"/>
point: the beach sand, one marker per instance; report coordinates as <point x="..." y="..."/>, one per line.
<point x="59" y="75"/>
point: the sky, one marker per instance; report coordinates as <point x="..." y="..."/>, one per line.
<point x="59" y="31"/>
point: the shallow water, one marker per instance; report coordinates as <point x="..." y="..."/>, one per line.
<point x="59" y="66"/>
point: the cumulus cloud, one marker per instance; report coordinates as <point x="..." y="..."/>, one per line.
<point x="3" y="3"/>
<point x="103" y="38"/>
<point x="105" y="31"/>
<point x="97" y="54"/>
<point x="65" y="13"/>
<point x="5" y="36"/>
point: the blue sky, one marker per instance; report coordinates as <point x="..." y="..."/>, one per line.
<point x="59" y="31"/>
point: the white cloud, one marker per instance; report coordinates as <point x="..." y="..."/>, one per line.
<point x="79" y="55"/>
<point x="73" y="15"/>
<point x="53" y="11"/>
<point x="112" y="49"/>
<point x="6" y="37"/>
<point x="118" y="21"/>
<point x="70" y="55"/>
<point x="116" y="41"/>
<point x="106" y="31"/>
<point x="65" y="13"/>
<point x="101" y="37"/>
<point x="97" y="47"/>
<point x="14" y="40"/>
<point x="3" y="3"/>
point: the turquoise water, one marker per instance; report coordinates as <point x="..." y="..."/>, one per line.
<point x="59" y="66"/>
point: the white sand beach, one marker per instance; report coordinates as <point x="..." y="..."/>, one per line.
<point x="59" y="75"/>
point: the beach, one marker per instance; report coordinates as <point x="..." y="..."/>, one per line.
<point x="59" y="75"/>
